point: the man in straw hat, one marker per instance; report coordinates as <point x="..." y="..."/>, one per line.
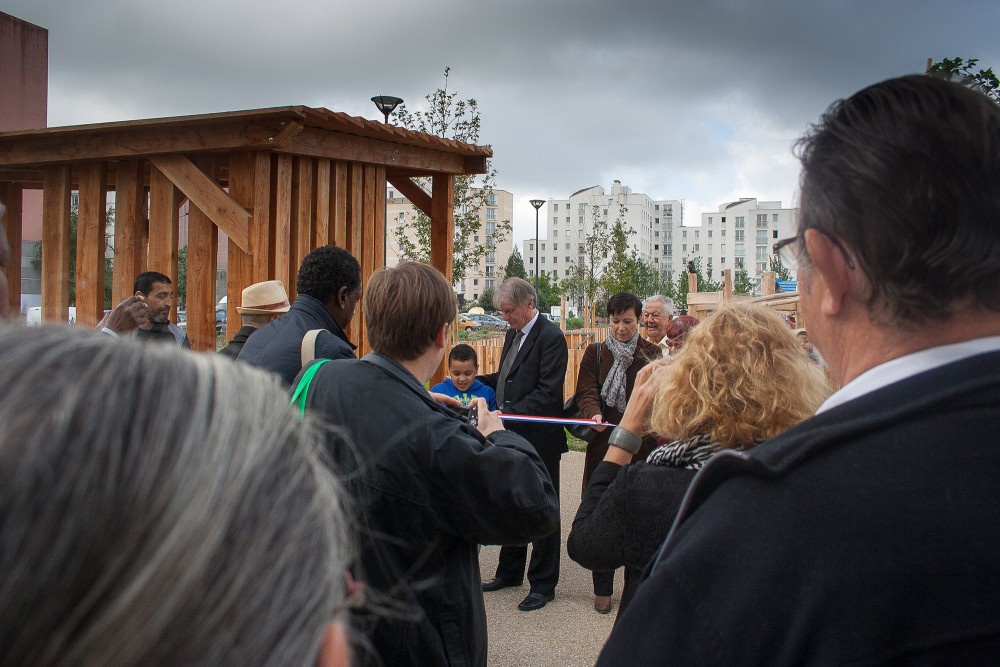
<point x="261" y="303"/>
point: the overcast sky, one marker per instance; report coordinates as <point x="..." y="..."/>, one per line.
<point x="698" y="101"/>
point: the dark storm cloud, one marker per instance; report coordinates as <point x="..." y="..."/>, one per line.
<point x="696" y="101"/>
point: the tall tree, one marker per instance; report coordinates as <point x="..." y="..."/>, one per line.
<point x="549" y="292"/>
<point x="454" y="118"/>
<point x="515" y="266"/>
<point x="620" y="271"/>
<point x="781" y="273"/>
<point x="486" y="299"/>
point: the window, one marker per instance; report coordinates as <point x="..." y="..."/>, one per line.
<point x="740" y="220"/>
<point x="723" y="220"/>
<point x="657" y="220"/>
<point x="543" y="259"/>
<point x="555" y="207"/>
<point x="555" y="260"/>
<point x="709" y="250"/>
<point x="566" y="258"/>
<point x="531" y="260"/>
<point x="656" y="207"/>
<point x="696" y="247"/>
<point x="697" y="233"/>
<point x="491" y="199"/>
<point x="684" y="248"/>
<point x="491" y="258"/>
<point x="739" y="235"/>
<point x="531" y="247"/>
<point x="489" y="271"/>
<point x="774" y="234"/>
<point x="475" y="282"/>
<point x="491" y="214"/>
<point x="668" y="249"/>
<point x="656" y="234"/>
<point x="567" y="245"/>
<point x="490" y="284"/>
<point x="762" y="219"/>
<point x="555" y="233"/>
<point x="774" y="217"/>
<point x="391" y="194"/>
<point x="684" y="233"/>
<point x="579" y="233"/>
<point x="475" y="239"/>
<point x="761" y="253"/>
<point x="580" y="221"/>
<point x="579" y="249"/>
<point x="761" y="267"/>
<point x="555" y="274"/>
<point x="709" y="219"/>
<point x="722" y="260"/>
<point x="542" y="247"/>
<point x="491" y="228"/>
<point x="581" y="208"/>
<point x="555" y="220"/>
<point x="656" y="246"/>
<point x="475" y="295"/>
<point x="722" y="232"/>
<point x="710" y="233"/>
<point x="761" y="237"/>
<point x="567" y="219"/>
<point x="739" y="249"/>
<point x="722" y="248"/>
<point x="739" y="262"/>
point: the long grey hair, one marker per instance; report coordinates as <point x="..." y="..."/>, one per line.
<point x="158" y="507"/>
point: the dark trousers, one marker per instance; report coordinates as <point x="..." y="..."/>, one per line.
<point x="604" y="582"/>
<point x="543" y="569"/>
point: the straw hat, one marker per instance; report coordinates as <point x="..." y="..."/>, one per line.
<point x="264" y="298"/>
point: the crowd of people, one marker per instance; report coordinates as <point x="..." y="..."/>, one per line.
<point x="774" y="498"/>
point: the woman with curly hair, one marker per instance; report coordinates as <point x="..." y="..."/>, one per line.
<point x="740" y="379"/>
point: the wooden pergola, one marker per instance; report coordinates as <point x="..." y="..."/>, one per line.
<point x="279" y="182"/>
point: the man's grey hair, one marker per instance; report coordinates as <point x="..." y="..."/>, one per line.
<point x="175" y="517"/>
<point x="514" y="291"/>
<point x="668" y="303"/>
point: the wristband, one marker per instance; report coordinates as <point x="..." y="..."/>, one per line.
<point x="625" y="439"/>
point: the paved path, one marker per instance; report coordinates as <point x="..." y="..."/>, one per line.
<point x="567" y="631"/>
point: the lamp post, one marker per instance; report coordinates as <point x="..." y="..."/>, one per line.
<point x="386" y="104"/>
<point x="537" y="203"/>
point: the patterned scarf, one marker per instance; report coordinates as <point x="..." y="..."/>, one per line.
<point x="690" y="453"/>
<point x="613" y="391"/>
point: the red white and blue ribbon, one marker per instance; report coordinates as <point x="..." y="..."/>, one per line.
<point x="563" y="421"/>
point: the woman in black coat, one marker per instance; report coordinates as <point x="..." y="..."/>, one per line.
<point x="740" y="379"/>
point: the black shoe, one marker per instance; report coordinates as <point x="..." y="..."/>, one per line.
<point x="535" y="601"/>
<point x="496" y="583"/>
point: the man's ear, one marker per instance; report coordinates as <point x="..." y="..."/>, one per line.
<point x="335" y="651"/>
<point x="441" y="339"/>
<point x="342" y="297"/>
<point x="831" y="271"/>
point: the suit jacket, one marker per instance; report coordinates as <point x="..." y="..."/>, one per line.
<point x="535" y="385"/>
<point x="869" y="533"/>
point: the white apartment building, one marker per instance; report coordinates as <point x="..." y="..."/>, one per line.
<point x="739" y="234"/>
<point x="567" y="222"/>
<point x="489" y="272"/>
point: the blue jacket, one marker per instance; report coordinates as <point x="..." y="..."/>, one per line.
<point x="277" y="346"/>
<point x="448" y="388"/>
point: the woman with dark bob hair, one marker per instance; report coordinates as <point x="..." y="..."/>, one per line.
<point x="740" y="379"/>
<point x="160" y="507"/>
<point x="603" y="386"/>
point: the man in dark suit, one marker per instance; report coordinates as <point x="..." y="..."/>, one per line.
<point x="530" y="382"/>
<point x="867" y="534"/>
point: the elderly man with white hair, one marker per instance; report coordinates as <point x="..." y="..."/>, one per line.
<point x="657" y="311"/>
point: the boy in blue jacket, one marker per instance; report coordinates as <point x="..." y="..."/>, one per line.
<point x="463" y="365"/>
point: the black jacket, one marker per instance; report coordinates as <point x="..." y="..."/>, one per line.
<point x="625" y="513"/>
<point x="236" y="344"/>
<point x="428" y="488"/>
<point x="868" y="534"/>
<point x="535" y="385"/>
<point x="277" y="346"/>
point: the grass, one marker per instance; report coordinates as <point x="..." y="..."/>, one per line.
<point x="575" y="444"/>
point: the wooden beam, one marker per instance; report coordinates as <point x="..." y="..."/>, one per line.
<point x="240" y="270"/>
<point x="321" y="206"/>
<point x="443" y="223"/>
<point x="202" y="260"/>
<point x="317" y="142"/>
<point x="338" y="204"/>
<point x="412" y="192"/>
<point x="262" y="224"/>
<point x="355" y="209"/>
<point x="164" y="225"/>
<point x="303" y="190"/>
<point x="55" y="245"/>
<point x="10" y="197"/>
<point x="206" y="194"/>
<point x="283" y="249"/>
<point x="116" y="143"/>
<point x="91" y="243"/>
<point x="128" y="232"/>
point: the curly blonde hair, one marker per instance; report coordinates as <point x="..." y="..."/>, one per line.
<point x="741" y="378"/>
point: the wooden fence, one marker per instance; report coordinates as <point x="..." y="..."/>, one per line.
<point x="489" y="350"/>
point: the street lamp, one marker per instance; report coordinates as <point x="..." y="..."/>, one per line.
<point x="537" y="203"/>
<point x="386" y="104"/>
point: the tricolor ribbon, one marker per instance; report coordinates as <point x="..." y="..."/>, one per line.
<point x="563" y="421"/>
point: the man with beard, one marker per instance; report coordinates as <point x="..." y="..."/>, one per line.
<point x="158" y="291"/>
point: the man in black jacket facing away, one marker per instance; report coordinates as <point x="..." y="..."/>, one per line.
<point x="428" y="485"/>
<point x="329" y="287"/>
<point x="868" y="533"/>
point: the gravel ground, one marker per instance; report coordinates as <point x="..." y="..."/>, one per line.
<point x="567" y="631"/>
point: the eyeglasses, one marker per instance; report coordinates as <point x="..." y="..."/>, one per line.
<point x="789" y="250"/>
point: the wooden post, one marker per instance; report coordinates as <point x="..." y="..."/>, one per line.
<point x="442" y="235"/>
<point x="727" y="286"/>
<point x="240" y="271"/>
<point x="164" y="202"/>
<point x="283" y="249"/>
<point x="203" y="251"/>
<point x="129" y="196"/>
<point x="55" y="244"/>
<point x="91" y="230"/>
<point x="692" y="282"/>
<point x="562" y="311"/>
<point x="261" y="226"/>
<point x="768" y="283"/>
<point x="10" y="197"/>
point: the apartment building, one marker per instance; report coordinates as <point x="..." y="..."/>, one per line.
<point x="488" y="273"/>
<point x="739" y="235"/>
<point x="568" y="222"/>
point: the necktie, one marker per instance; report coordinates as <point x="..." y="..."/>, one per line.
<point x="505" y="367"/>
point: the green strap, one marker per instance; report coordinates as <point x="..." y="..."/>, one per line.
<point x="299" y="395"/>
